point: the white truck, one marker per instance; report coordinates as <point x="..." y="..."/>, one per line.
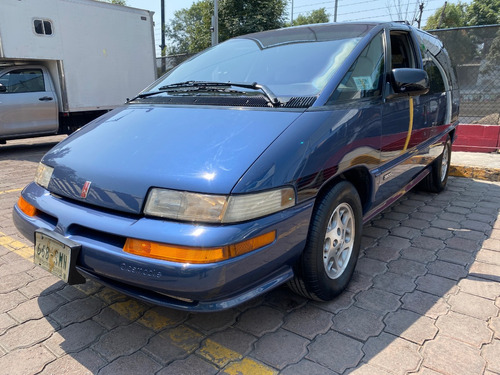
<point x="65" y="62"/>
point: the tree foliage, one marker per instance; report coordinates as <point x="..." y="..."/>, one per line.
<point x="455" y="15"/>
<point x="316" y="16"/>
<point x="189" y="31"/>
<point x="483" y="12"/>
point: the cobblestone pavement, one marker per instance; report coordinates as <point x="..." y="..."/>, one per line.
<point x="425" y="299"/>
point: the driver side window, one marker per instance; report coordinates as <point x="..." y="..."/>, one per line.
<point x="23" y="80"/>
<point x="364" y="78"/>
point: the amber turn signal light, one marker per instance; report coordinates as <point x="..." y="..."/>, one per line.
<point x="27" y="208"/>
<point x="182" y="254"/>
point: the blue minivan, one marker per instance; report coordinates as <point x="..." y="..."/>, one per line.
<point x="253" y="164"/>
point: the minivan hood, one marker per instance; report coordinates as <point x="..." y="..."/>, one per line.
<point x="136" y="147"/>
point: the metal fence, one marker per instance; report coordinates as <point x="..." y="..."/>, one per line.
<point x="475" y="54"/>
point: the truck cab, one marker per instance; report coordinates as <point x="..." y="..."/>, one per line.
<point x="28" y="102"/>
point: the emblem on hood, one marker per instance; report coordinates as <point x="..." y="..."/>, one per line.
<point x="85" y="189"/>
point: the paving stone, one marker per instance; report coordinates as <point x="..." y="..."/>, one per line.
<point x="74" y="337"/>
<point x="72" y="292"/>
<point x="480" y="287"/>
<point x="28" y="334"/>
<point x="37" y="308"/>
<point x="471" y="305"/>
<point x="445" y="224"/>
<point x="110" y="318"/>
<point x="16" y="267"/>
<point x="399" y="216"/>
<point x="339" y="303"/>
<point x="358" y="323"/>
<point x="270" y="349"/>
<point x="135" y="363"/>
<point x="459" y="257"/>
<point x="306" y="367"/>
<point x="410" y="326"/>
<point x="192" y="365"/>
<point x="394" y="283"/>
<point x="375" y="299"/>
<point x="450" y="216"/>
<point x="403" y="208"/>
<point x="318" y="321"/>
<point x="284" y="299"/>
<point x="476" y="225"/>
<point x="421" y="214"/>
<point x="6" y="322"/>
<point x="386" y="223"/>
<point x="43" y="286"/>
<point x="392" y="353"/>
<point x="370" y="231"/>
<point x="416" y="223"/>
<point x="394" y="241"/>
<point x="463" y="203"/>
<point x="488" y="256"/>
<point x="437" y="233"/>
<point x="110" y="296"/>
<point x="370" y="267"/>
<point x="425" y="304"/>
<point x="77" y="311"/>
<point x="464" y="328"/>
<point x="26" y="361"/>
<point x="495" y="326"/>
<point x="260" y="320"/>
<point x="383" y="253"/>
<point x="407" y="267"/>
<point x="123" y="340"/>
<point x="10" y="300"/>
<point x="447" y="269"/>
<point x="406" y="232"/>
<point x="335" y="351"/>
<point x="367" y="242"/>
<point x="458" y="210"/>
<point x="208" y="323"/>
<point x="12" y="283"/>
<point x="471" y="235"/>
<point x="428" y="243"/>
<point x="86" y="362"/>
<point x="359" y="282"/>
<point x="426" y="371"/>
<point x="173" y="343"/>
<point x="491" y="244"/>
<point x="420" y="255"/>
<point x="485" y="271"/>
<point x="449" y="356"/>
<point x="489" y="219"/>
<point x="158" y="318"/>
<point x="491" y="353"/>
<point x="235" y="340"/>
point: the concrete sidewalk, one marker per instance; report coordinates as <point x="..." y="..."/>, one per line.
<point x="477" y="165"/>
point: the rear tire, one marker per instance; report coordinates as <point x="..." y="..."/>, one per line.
<point x="436" y="180"/>
<point x="332" y="245"/>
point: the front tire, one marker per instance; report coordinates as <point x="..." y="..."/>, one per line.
<point x="332" y="245"/>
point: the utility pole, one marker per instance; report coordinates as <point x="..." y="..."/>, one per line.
<point x="291" y="17"/>
<point x="162" y="46"/>
<point x="335" y="12"/>
<point x="441" y="18"/>
<point x="421" y="10"/>
<point x="215" y="24"/>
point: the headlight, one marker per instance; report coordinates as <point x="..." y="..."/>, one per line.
<point x="185" y="206"/>
<point x="43" y="175"/>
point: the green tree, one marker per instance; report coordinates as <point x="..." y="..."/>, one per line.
<point x="316" y="16"/>
<point x="189" y="31"/>
<point x="118" y="2"/>
<point x="483" y="12"/>
<point x="455" y="15"/>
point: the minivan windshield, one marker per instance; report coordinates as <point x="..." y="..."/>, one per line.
<point x="288" y="68"/>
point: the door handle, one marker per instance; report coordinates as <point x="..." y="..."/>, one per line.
<point x="45" y="98"/>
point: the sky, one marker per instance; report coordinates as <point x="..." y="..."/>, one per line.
<point x="348" y="10"/>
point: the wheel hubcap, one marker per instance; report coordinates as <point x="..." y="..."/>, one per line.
<point x="339" y="241"/>
<point x="444" y="162"/>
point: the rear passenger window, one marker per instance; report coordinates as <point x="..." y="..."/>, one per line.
<point x="364" y="78"/>
<point x="435" y="77"/>
<point x="23" y="80"/>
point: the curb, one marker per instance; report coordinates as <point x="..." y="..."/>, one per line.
<point x="480" y="173"/>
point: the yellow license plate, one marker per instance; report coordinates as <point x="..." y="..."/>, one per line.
<point x="52" y="255"/>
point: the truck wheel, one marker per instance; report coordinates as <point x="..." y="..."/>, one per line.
<point x="436" y="180"/>
<point x="332" y="246"/>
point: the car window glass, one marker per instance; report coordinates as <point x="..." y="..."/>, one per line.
<point x="364" y="78"/>
<point x="402" y="53"/>
<point x="25" y="80"/>
<point x="437" y="85"/>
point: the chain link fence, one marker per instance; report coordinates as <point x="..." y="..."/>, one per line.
<point x="475" y="54"/>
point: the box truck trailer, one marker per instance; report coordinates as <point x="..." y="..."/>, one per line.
<point x="65" y="62"/>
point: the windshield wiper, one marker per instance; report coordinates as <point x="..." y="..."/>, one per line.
<point x="207" y="85"/>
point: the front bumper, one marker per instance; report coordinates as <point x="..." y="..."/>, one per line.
<point x="202" y="287"/>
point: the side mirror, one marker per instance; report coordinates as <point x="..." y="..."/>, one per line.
<point x="3" y="88"/>
<point x="409" y="82"/>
